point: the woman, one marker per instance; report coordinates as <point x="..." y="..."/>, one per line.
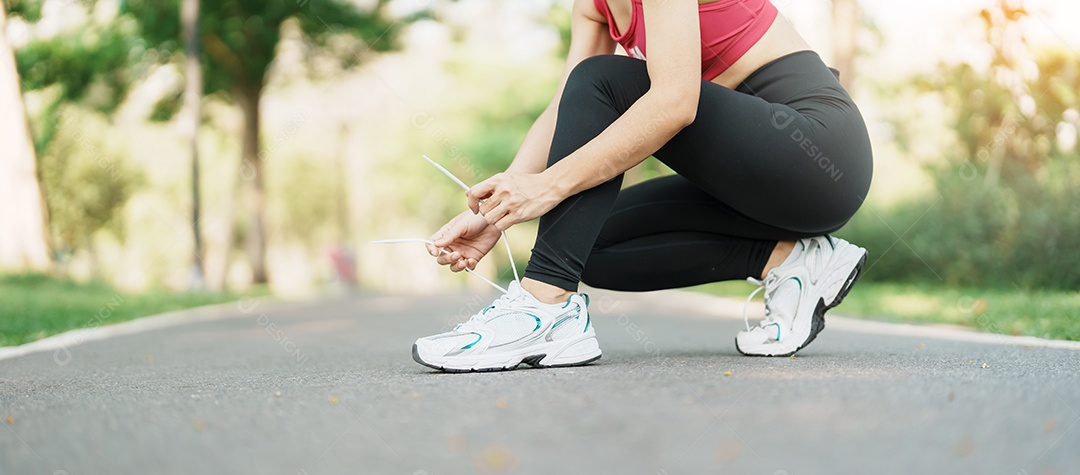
<point x="770" y="152"/>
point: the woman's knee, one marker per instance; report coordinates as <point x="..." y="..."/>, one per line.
<point x="608" y="73"/>
<point x="598" y="272"/>
<point x="594" y="279"/>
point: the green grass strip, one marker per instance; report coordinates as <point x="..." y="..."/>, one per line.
<point x="1044" y="314"/>
<point x="35" y="306"/>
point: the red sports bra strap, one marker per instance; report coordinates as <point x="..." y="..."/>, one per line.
<point x="602" y="6"/>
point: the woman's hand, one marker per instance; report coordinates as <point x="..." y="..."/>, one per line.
<point x="467" y="237"/>
<point x="510" y="198"/>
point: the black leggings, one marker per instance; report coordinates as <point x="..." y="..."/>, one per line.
<point x="784" y="156"/>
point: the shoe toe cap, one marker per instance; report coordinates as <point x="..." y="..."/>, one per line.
<point x="754" y="337"/>
<point x="442" y="344"/>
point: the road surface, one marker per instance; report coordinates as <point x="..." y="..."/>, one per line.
<point x="329" y="386"/>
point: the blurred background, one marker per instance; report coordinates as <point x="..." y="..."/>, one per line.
<point x="296" y="139"/>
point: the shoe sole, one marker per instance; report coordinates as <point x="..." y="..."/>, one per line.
<point x="817" y="322"/>
<point x="531" y="360"/>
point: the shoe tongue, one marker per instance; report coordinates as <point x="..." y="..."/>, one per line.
<point x="514" y="290"/>
<point x="522" y="299"/>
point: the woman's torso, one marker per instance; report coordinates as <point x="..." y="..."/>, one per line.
<point x="779" y="39"/>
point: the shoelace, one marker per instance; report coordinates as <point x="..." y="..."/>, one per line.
<point x="810" y="256"/>
<point x="489" y="312"/>
<point x="506" y="242"/>
<point x="770" y="279"/>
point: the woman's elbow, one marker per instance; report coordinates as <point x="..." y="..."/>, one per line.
<point x="680" y="108"/>
<point x="687" y="113"/>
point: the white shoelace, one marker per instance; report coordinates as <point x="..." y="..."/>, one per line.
<point x="489" y="312"/>
<point x="810" y="256"/>
<point x="462" y="184"/>
<point x="770" y="279"/>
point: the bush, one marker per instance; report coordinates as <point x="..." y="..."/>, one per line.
<point x="85" y="183"/>
<point x="970" y="234"/>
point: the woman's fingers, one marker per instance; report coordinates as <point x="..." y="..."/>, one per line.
<point x="446" y="236"/>
<point x="433" y="249"/>
<point x="448" y="257"/>
<point x="443" y="260"/>
<point x="480" y="191"/>
<point x="489" y="204"/>
<point x="505" y="222"/>
<point x="457" y="260"/>
<point x="449" y="233"/>
<point x="459" y="265"/>
<point x="495" y="215"/>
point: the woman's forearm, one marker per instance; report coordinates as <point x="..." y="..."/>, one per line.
<point x="642" y="130"/>
<point x="532" y="156"/>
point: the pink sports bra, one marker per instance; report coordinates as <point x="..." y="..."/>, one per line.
<point x="728" y="29"/>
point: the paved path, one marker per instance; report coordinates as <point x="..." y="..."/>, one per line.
<point x="330" y="387"/>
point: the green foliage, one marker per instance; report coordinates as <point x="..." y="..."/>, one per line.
<point x="28" y="9"/>
<point x="86" y="188"/>
<point x="239" y="38"/>
<point x="1007" y="117"/>
<point x="308" y="199"/>
<point x="91" y="66"/>
<point x="559" y="17"/>
<point x="34" y="306"/>
<point x="969" y="234"/>
<point x="79" y="60"/>
<point x="500" y="124"/>
<point x="1040" y="313"/>
<point x="1005" y="211"/>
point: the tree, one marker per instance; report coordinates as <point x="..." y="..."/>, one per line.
<point x="193" y="92"/>
<point x="22" y="232"/>
<point x="1007" y="118"/>
<point x="1007" y="179"/>
<point x="240" y="38"/>
<point x="90" y="66"/>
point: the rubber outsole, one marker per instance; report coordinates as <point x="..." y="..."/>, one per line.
<point x="817" y="323"/>
<point x="532" y="360"/>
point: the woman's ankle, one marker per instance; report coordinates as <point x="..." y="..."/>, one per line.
<point x="545" y="292"/>
<point x="779" y="254"/>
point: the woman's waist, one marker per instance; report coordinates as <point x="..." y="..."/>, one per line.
<point x="793" y="78"/>
<point x="779" y="40"/>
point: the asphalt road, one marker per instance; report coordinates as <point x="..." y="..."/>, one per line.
<point x="330" y="387"/>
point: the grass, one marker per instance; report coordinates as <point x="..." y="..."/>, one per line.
<point x="1044" y="314"/>
<point x="35" y="306"/>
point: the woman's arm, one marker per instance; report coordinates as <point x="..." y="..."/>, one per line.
<point x="588" y="37"/>
<point x="674" y="67"/>
<point x="469" y="239"/>
<point x="670" y="104"/>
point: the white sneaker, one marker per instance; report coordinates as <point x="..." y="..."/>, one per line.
<point x="797" y="295"/>
<point x="517" y="328"/>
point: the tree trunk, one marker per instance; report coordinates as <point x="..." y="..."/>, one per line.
<point x="251" y="175"/>
<point x="189" y="17"/>
<point x="22" y="216"/>
<point x="847" y="19"/>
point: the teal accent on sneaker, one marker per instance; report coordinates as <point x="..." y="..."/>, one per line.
<point x="470" y="345"/>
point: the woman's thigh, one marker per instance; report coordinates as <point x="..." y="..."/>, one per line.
<point x="673" y="204"/>
<point x="735" y="152"/>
